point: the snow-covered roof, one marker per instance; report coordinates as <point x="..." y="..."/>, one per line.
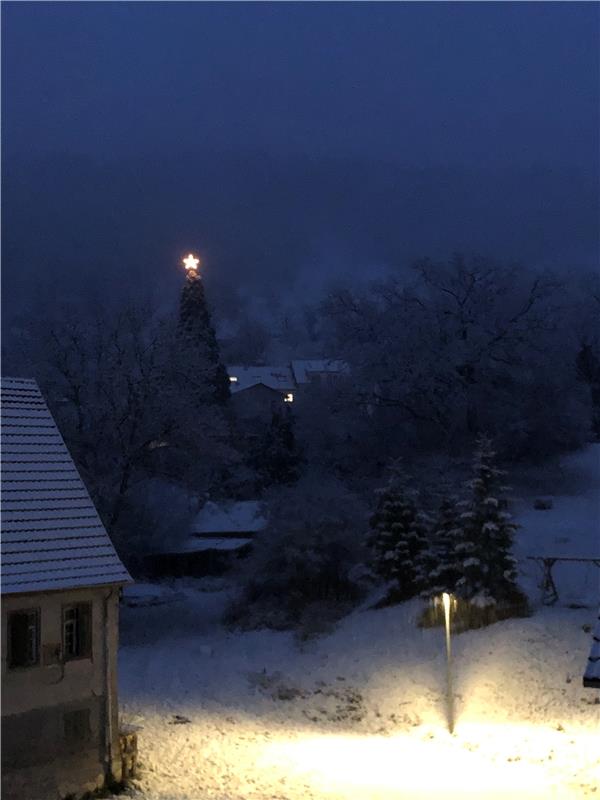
<point x="303" y="369"/>
<point x="278" y="378"/>
<point x="52" y="536"/>
<point x="592" y="672"/>
<point x="245" y="516"/>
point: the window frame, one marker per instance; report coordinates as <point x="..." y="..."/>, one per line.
<point x="86" y="651"/>
<point x="36" y="610"/>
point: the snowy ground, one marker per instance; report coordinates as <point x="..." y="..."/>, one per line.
<point x="361" y="714"/>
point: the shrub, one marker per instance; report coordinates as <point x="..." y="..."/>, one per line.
<point x="299" y="574"/>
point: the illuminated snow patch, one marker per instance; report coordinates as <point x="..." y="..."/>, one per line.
<point x="404" y="766"/>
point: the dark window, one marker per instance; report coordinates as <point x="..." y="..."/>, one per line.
<point x="77" y="726"/>
<point x="77" y="639"/>
<point x="24" y="638"/>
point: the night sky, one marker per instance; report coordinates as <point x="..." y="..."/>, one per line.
<point x="290" y="143"/>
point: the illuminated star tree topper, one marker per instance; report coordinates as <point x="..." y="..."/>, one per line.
<point x="191" y="265"/>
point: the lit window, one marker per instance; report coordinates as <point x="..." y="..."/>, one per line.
<point x="76" y="631"/>
<point x="24" y="638"/>
<point x="232" y="379"/>
<point x="288" y="398"/>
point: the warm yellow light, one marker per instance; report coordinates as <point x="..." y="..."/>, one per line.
<point x="191" y="263"/>
<point x="288" y="398"/>
<point x="357" y="767"/>
<point x="446" y="600"/>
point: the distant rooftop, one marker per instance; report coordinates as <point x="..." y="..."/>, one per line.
<point x="278" y="378"/>
<point x="240" y="517"/>
<point x="304" y="369"/>
<point x="284" y="379"/>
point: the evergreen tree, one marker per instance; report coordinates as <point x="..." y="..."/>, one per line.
<point x="398" y="536"/>
<point x="488" y="568"/>
<point x="442" y="566"/>
<point x="198" y="337"/>
<point x="276" y="457"/>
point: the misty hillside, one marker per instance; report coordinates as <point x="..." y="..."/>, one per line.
<point x="267" y="226"/>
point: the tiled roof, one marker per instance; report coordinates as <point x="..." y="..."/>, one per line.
<point x="592" y="672"/>
<point x="52" y="536"/>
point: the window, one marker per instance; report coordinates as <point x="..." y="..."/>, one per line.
<point x="77" y="726"/>
<point x="233" y="379"/>
<point x="24" y="638"/>
<point x="77" y="623"/>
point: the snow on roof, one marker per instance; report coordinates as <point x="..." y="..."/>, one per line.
<point x="592" y="672"/>
<point x="52" y="536"/>
<point x="303" y="369"/>
<point x="246" y="516"/>
<point x="278" y="378"/>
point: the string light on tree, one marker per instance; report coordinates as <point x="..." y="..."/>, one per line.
<point x="191" y="265"/>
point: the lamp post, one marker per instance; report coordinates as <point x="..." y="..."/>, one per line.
<point x="448" y="602"/>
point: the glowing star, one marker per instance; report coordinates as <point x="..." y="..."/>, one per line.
<point x="191" y="263"/>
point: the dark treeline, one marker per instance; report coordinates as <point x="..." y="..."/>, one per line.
<point x="438" y="355"/>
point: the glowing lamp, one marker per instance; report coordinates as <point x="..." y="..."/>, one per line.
<point x="191" y="266"/>
<point x="288" y="398"/>
<point x="448" y="602"/>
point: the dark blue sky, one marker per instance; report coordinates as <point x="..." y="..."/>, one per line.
<point x="292" y="143"/>
<point x="419" y="83"/>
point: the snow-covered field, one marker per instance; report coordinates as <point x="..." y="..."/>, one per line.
<point x="361" y="713"/>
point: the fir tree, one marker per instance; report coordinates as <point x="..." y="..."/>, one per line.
<point x="276" y="458"/>
<point x="398" y="536"/>
<point x="442" y="566"/>
<point x="198" y="337"/>
<point x="488" y="568"/>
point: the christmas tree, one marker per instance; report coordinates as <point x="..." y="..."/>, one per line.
<point x="488" y="568"/>
<point x="398" y="536"/>
<point x="197" y="334"/>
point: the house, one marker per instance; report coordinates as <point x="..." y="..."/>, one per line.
<point x="591" y="677"/>
<point x="61" y="579"/>
<point x="219" y="534"/>
<point x="258" y="391"/>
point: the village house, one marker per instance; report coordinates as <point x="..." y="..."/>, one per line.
<point x="257" y="391"/>
<point x="61" y="579"/>
<point x="219" y="534"/>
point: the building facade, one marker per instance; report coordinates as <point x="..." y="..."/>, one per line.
<point x="61" y="579"/>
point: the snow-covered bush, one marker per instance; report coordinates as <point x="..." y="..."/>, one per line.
<point x="398" y="536"/>
<point x="442" y="567"/>
<point x="299" y="574"/>
<point x="471" y="550"/>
